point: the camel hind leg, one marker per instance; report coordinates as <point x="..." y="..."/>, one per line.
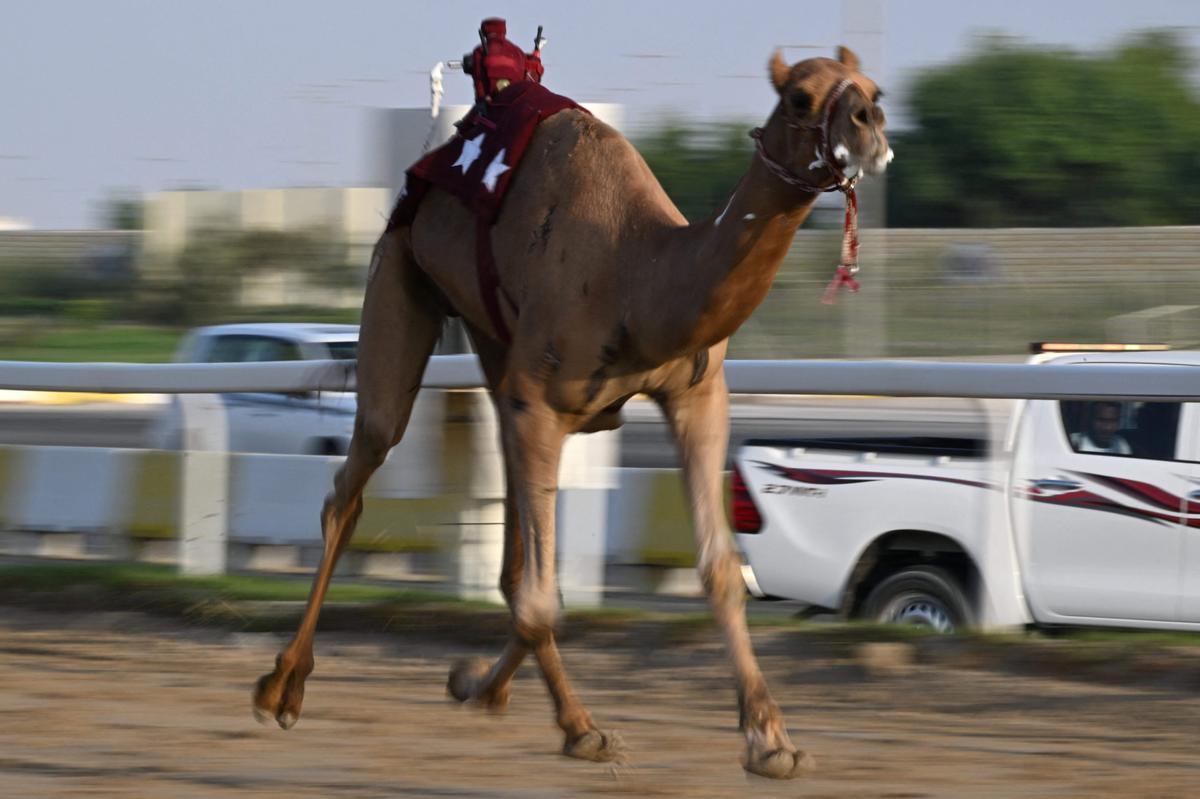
<point x="401" y="318"/>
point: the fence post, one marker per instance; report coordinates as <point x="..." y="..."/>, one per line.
<point x="204" y="485"/>
<point x="473" y="470"/>
<point x="588" y="472"/>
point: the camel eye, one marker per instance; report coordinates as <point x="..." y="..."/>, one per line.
<point x="801" y="103"/>
<point x="878" y="96"/>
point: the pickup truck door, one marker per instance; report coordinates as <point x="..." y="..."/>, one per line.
<point x="1189" y="448"/>
<point x="1099" y="534"/>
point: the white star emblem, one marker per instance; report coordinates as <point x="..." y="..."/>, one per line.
<point x="495" y="170"/>
<point x="470" y="152"/>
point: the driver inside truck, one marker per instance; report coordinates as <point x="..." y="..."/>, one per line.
<point x="1103" y="420"/>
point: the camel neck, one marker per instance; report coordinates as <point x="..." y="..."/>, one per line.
<point x="720" y="269"/>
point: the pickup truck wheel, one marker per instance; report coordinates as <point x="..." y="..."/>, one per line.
<point x="921" y="596"/>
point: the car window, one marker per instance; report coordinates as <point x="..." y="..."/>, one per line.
<point x="242" y="349"/>
<point x="226" y="349"/>
<point x="272" y="349"/>
<point x="343" y="350"/>
<point x="1122" y="429"/>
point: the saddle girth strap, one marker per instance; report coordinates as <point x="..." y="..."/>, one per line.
<point x="489" y="279"/>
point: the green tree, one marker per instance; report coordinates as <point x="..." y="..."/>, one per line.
<point x="698" y="165"/>
<point x="212" y="265"/>
<point x="122" y="210"/>
<point x="1023" y="136"/>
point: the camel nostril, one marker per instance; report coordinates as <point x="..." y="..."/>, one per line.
<point x="862" y="117"/>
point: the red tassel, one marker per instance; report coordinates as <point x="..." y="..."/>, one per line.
<point x="844" y="276"/>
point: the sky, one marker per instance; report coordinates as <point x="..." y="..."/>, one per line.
<point x="102" y="97"/>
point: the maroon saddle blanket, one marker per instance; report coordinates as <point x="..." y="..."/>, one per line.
<point x="478" y="164"/>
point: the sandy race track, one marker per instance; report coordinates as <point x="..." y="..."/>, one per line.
<point x="116" y="706"/>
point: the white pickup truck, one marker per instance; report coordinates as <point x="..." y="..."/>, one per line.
<point x="1078" y="513"/>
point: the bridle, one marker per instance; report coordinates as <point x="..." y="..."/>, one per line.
<point x="822" y="151"/>
<point x="848" y="268"/>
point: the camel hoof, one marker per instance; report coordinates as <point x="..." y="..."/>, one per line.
<point x="597" y="746"/>
<point x="278" y="695"/>
<point x="780" y="764"/>
<point x="467" y="679"/>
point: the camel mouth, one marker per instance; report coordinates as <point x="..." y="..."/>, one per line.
<point x="847" y="162"/>
<point x="880" y="164"/>
<point x="854" y="166"/>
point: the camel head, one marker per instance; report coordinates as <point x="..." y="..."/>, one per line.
<point x="835" y="109"/>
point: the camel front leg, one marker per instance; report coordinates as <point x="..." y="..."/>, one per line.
<point x="699" y="417"/>
<point x="473" y="679"/>
<point x="488" y="685"/>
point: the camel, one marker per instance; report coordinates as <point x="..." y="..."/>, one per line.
<point x="615" y="295"/>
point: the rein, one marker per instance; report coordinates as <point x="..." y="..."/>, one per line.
<point x="848" y="267"/>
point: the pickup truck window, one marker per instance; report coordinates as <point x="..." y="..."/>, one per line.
<point x="1124" y="429"/>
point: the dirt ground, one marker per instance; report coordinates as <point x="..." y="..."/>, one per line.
<point x="117" y="706"/>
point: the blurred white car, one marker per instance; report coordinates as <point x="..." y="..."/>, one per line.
<point x="299" y="423"/>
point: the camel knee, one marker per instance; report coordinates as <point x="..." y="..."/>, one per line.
<point x="370" y="443"/>
<point x="535" y="615"/>
<point x="722" y="579"/>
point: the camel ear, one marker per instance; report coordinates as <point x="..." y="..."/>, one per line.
<point x="780" y="71"/>
<point x="847" y="57"/>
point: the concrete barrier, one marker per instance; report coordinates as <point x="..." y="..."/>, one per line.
<point x="65" y="501"/>
<point x="650" y="520"/>
<point x="277" y="499"/>
<point x="88" y="502"/>
<point x="68" y="489"/>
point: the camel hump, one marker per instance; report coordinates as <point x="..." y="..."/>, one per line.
<point x="575" y="127"/>
<point x="578" y="141"/>
<point x="582" y="151"/>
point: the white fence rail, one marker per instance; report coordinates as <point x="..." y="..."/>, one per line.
<point x="887" y="378"/>
<point x="444" y="371"/>
<point x="206" y="499"/>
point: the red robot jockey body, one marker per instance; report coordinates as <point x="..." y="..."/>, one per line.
<point x="498" y="63"/>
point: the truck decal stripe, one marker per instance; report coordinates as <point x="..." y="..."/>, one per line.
<point x="1086" y="500"/>
<point x="850" y="477"/>
<point x="1150" y="494"/>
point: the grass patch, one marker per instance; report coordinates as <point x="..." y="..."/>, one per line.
<point x="169" y="584"/>
<point x="60" y="341"/>
<point x="1134" y="638"/>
